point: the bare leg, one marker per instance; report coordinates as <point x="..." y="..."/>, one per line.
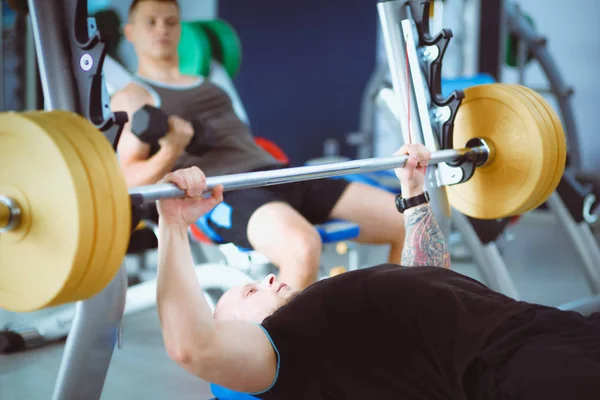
<point x="288" y="240"/>
<point x="375" y="211"/>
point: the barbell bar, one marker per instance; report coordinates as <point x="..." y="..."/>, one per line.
<point x="479" y="153"/>
<point x="150" y="193"/>
<point x="10" y="214"/>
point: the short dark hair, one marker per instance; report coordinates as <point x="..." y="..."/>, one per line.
<point x="135" y="3"/>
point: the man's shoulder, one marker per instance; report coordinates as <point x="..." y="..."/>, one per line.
<point x="132" y="91"/>
<point x="191" y="79"/>
<point x="132" y="95"/>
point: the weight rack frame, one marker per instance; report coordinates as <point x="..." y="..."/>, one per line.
<point x="71" y="53"/>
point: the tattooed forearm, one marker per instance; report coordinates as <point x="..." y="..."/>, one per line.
<point x="424" y="244"/>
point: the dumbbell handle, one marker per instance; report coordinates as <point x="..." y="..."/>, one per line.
<point x="149" y="193"/>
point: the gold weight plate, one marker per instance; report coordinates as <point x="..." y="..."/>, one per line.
<point x="552" y="140"/>
<point x="121" y="201"/>
<point x="48" y="253"/>
<point x="505" y="183"/>
<point x="550" y="149"/>
<point x="52" y="125"/>
<point x="561" y="141"/>
<point x="103" y="205"/>
<point x="520" y="98"/>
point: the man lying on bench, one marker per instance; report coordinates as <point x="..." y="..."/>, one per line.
<point x="415" y="331"/>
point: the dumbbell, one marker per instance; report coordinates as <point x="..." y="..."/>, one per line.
<point x="150" y="124"/>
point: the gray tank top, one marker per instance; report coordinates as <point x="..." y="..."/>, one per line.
<point x="234" y="149"/>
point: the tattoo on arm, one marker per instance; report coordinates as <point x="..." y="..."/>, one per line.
<point x="424" y="244"/>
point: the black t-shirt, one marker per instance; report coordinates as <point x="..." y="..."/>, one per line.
<point x="384" y="332"/>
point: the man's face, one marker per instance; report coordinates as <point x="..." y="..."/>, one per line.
<point x="154" y="29"/>
<point x="255" y="301"/>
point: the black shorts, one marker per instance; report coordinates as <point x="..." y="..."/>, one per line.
<point x="542" y="354"/>
<point x="313" y="199"/>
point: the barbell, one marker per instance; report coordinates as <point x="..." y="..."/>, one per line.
<point x="479" y="153"/>
<point x="65" y="209"/>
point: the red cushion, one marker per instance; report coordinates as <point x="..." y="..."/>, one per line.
<point x="271" y="148"/>
<point x="199" y="235"/>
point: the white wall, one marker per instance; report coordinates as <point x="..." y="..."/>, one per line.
<point x="571" y="28"/>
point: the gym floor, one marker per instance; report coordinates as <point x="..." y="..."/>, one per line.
<point x="545" y="269"/>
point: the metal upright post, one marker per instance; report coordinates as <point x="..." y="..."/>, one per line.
<point x="522" y="53"/>
<point x="93" y="335"/>
<point x="395" y="49"/>
<point x="487" y="257"/>
<point x="537" y="46"/>
<point x="364" y="138"/>
<point x="582" y="239"/>
<point x="91" y="341"/>
<point x="411" y="97"/>
<point x="54" y="60"/>
<point x="31" y="70"/>
<point x="1" y="57"/>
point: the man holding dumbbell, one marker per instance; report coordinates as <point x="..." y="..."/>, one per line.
<point x="197" y="126"/>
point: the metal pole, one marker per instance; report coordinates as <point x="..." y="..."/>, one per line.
<point x="522" y="53"/>
<point x="1" y="57"/>
<point x="408" y="83"/>
<point x="472" y="35"/>
<point x="10" y="210"/>
<point x="410" y="95"/>
<point x="519" y="25"/>
<point x="31" y="70"/>
<point x="487" y="257"/>
<point x="419" y="97"/>
<point x="91" y="342"/>
<point x="437" y="22"/>
<point x="149" y="193"/>
<point x="10" y="214"/>
<point x="58" y="83"/>
<point x="364" y="138"/>
<point x="582" y="239"/>
<point x="92" y="338"/>
<point x="395" y="49"/>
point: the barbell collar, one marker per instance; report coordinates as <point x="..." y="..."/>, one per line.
<point x="10" y="214"/>
<point x="150" y="193"/>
